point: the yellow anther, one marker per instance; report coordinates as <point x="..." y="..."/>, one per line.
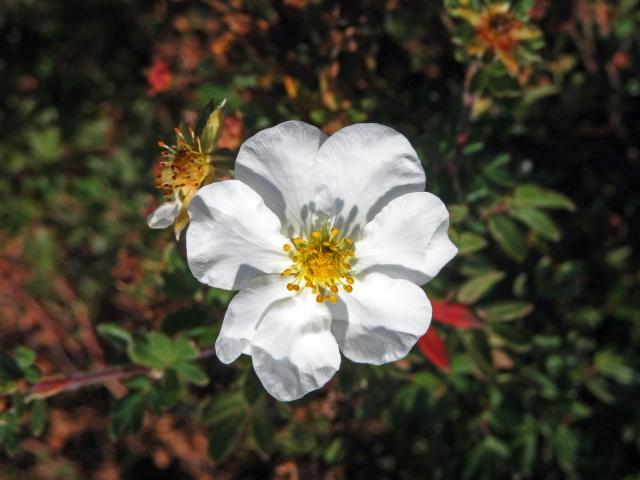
<point x="320" y="262"/>
<point x="348" y="288"/>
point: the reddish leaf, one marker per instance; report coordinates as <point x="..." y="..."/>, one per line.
<point x="159" y="77"/>
<point x="454" y="314"/>
<point x="434" y="349"/>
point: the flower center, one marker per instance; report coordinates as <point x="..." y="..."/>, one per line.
<point x="501" y="23"/>
<point x="498" y="30"/>
<point x="184" y="167"/>
<point x="321" y="263"/>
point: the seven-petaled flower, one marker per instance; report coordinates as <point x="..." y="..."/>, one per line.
<point x="184" y="168"/>
<point x="328" y="240"/>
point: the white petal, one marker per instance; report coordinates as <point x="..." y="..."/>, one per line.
<point x="293" y="350"/>
<point x="233" y="237"/>
<point x="164" y="215"/>
<point x="278" y="163"/>
<point x="245" y="312"/>
<point x="407" y="239"/>
<point x="363" y="167"/>
<point x="381" y="320"/>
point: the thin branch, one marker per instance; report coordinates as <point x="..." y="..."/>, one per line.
<point x="462" y="130"/>
<point x="55" y="384"/>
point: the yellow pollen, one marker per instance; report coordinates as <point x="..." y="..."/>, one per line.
<point x="321" y="262"/>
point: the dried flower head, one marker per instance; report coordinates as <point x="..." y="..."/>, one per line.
<point x="497" y="32"/>
<point x="185" y="167"/>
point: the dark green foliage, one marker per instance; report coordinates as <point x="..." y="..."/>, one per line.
<point x="539" y="170"/>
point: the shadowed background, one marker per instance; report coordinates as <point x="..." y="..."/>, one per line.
<point x="531" y="367"/>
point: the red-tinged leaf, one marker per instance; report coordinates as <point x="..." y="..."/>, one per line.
<point x="434" y="349"/>
<point x="159" y="77"/>
<point x="454" y="314"/>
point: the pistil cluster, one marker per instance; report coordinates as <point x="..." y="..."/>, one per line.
<point x="322" y="263"/>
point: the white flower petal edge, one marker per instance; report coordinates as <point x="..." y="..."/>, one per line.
<point x="278" y="163"/>
<point x="164" y="215"/>
<point x="407" y="239"/>
<point x="244" y="313"/>
<point x="233" y="237"/>
<point x="293" y="350"/>
<point x="361" y="168"/>
<point x="381" y="320"/>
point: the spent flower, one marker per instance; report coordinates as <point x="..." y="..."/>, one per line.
<point x="185" y="167"/>
<point x="497" y="32"/>
<point x="328" y="240"/>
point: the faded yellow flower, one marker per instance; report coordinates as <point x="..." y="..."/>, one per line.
<point x="498" y="32"/>
<point x="184" y="168"/>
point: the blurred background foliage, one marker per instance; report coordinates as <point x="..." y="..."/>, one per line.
<point x="526" y="117"/>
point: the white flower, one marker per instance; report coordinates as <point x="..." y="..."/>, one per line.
<point x="328" y="240"/>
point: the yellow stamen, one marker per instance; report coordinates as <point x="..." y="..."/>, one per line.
<point x="184" y="167"/>
<point x="321" y="262"/>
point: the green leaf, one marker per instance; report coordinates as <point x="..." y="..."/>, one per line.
<point x="299" y="439"/>
<point x="192" y="373"/>
<point x="505" y="311"/>
<point x="262" y="430"/>
<point x="115" y="333"/>
<point x="252" y="387"/>
<point x="613" y="366"/>
<point x="508" y="236"/>
<point x="156" y="350"/>
<point x="335" y="451"/>
<point x="469" y="243"/>
<point x="458" y="212"/>
<point x="38" y="417"/>
<point x="127" y="414"/>
<point x="537" y="221"/>
<point x="184" y="349"/>
<point x="221" y="406"/>
<point x="566" y="446"/>
<point x="209" y="125"/>
<point x="531" y="195"/>
<point x="167" y="392"/>
<point x="151" y="350"/>
<point x="225" y="434"/>
<point x="474" y="289"/>
<point x="599" y="389"/>
<point x="24" y="357"/>
<point x="477" y="346"/>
